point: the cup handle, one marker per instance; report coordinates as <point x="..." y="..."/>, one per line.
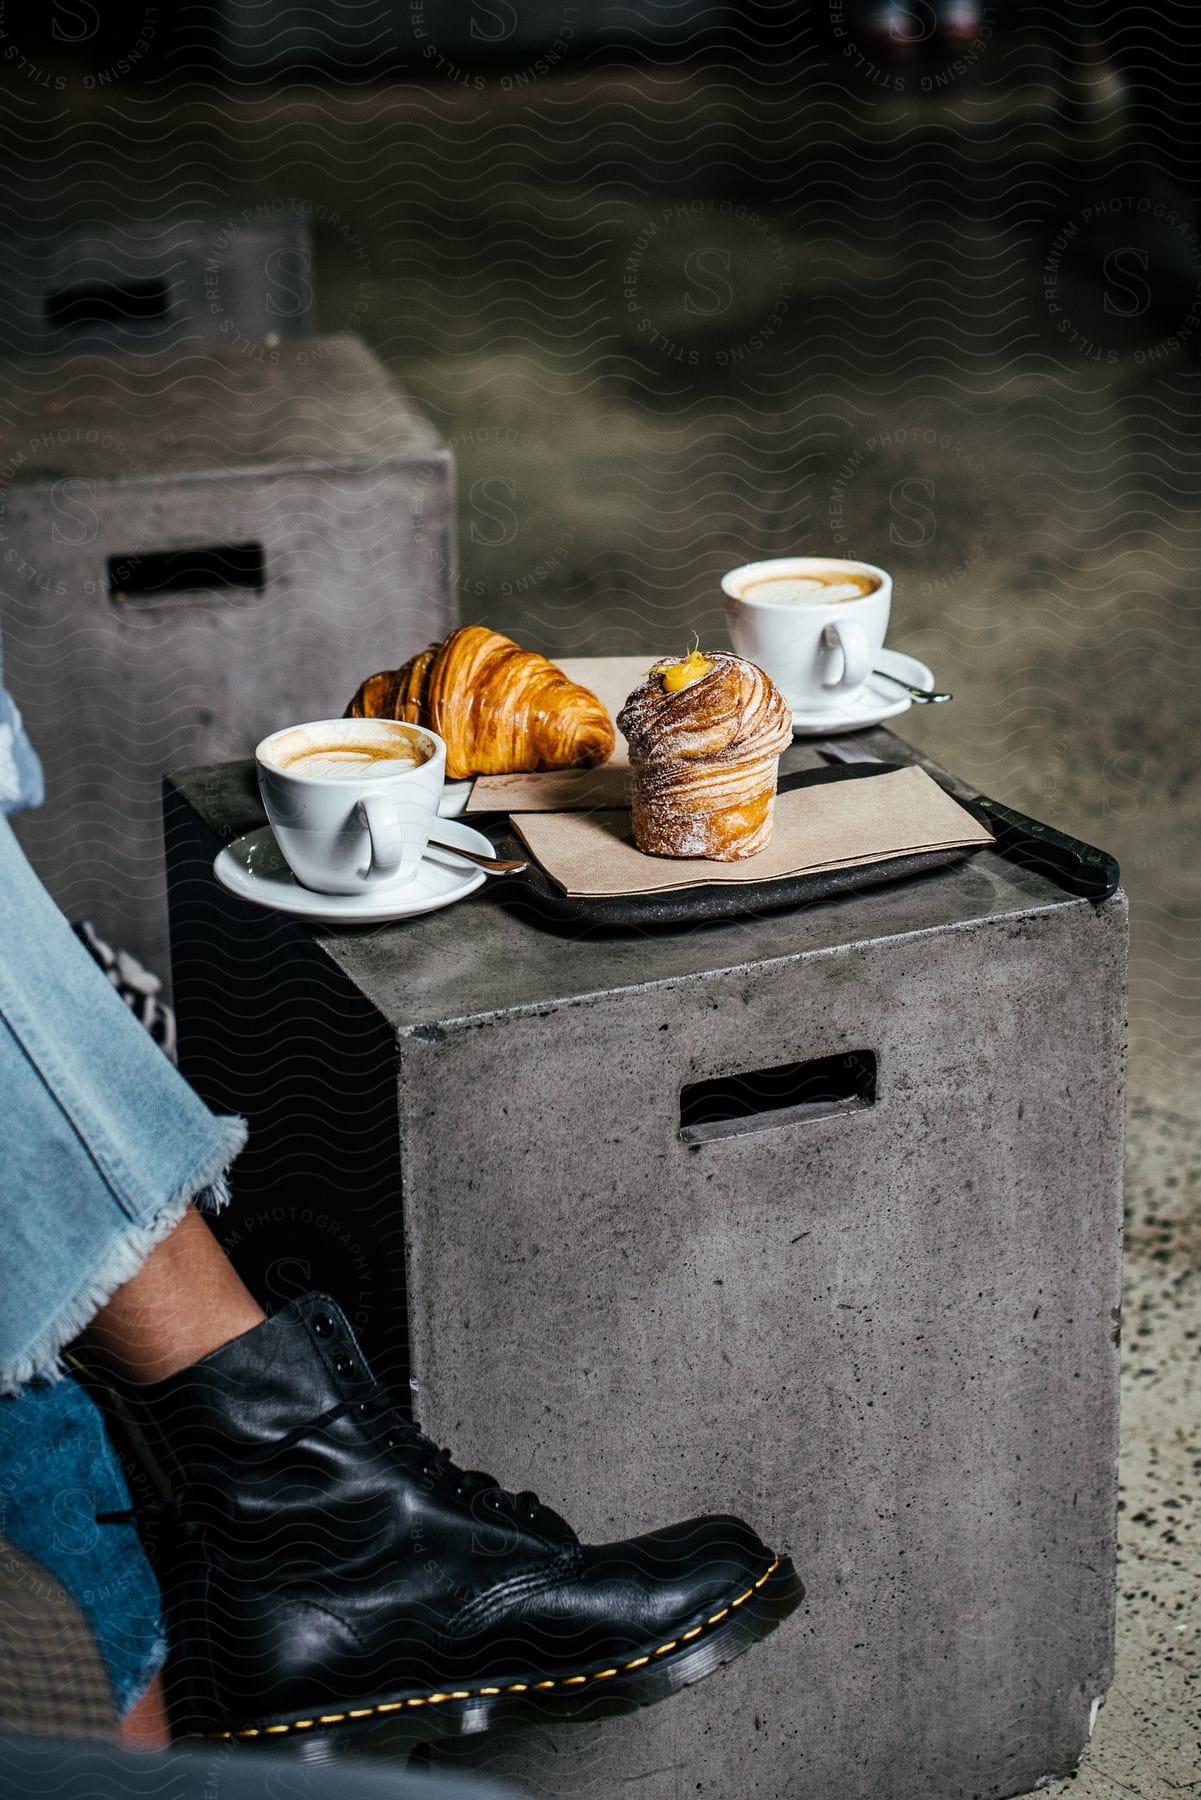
<point x="383" y="827"/>
<point x="847" y="636"/>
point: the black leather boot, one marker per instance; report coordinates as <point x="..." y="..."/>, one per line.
<point x="333" y="1568"/>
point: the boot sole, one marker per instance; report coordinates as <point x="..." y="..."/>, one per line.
<point x="593" y="1692"/>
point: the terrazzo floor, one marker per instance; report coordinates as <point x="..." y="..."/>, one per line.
<point x="644" y="384"/>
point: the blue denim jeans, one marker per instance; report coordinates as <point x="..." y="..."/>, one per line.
<point x="105" y="1143"/>
<point x="103" y="1147"/>
<point x="57" y="1471"/>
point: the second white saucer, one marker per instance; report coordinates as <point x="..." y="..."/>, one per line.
<point x="875" y="702"/>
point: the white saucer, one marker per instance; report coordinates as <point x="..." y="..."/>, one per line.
<point x="878" y="701"/>
<point x="454" y="799"/>
<point x="254" y="869"/>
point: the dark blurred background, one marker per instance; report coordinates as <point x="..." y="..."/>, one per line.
<point x="684" y="284"/>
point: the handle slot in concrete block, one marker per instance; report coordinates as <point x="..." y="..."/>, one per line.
<point x="208" y="569"/>
<point x="787" y="1094"/>
<point x="107" y="303"/>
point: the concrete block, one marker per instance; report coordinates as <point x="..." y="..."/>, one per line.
<point x="228" y="283"/>
<point x="195" y="550"/>
<point x="879" y="1319"/>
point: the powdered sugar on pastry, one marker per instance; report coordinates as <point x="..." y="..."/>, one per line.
<point x="705" y="735"/>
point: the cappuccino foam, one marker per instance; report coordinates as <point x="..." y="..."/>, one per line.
<point x="392" y="748"/>
<point x="819" y="588"/>
<point x="351" y="762"/>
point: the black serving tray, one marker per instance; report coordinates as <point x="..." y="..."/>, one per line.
<point x="537" y="898"/>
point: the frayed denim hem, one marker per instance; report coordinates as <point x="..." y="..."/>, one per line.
<point x="127" y="1693"/>
<point x="207" y="1190"/>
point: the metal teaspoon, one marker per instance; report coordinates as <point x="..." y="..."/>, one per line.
<point x="491" y="865"/>
<point x="924" y="695"/>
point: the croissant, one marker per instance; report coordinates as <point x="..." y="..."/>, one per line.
<point x="705" y="734"/>
<point x="499" y="708"/>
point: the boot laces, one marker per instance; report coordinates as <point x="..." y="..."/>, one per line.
<point x="437" y="1464"/>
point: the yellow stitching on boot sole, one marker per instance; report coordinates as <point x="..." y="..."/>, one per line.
<point x="517" y="1687"/>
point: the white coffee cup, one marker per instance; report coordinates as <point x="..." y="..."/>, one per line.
<point x="352" y="801"/>
<point x="819" y="651"/>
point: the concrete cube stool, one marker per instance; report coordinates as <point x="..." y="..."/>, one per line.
<point x="195" y="550"/>
<point x="881" y="1320"/>
<point x="227" y="283"/>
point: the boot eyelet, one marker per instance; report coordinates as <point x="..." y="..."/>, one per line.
<point x="323" y="1325"/>
<point x="493" y="1501"/>
<point x="344" y="1365"/>
<point x="392" y="1442"/>
<point x="363" y="1409"/>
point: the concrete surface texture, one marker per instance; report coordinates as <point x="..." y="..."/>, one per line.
<point x="670" y="317"/>
<point x="857" y="1331"/>
<point x="198" y="548"/>
<point x="895" y="1354"/>
<point x="240" y="279"/>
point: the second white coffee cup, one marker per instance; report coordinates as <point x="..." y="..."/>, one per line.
<point x="352" y="801"/>
<point x="805" y="622"/>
